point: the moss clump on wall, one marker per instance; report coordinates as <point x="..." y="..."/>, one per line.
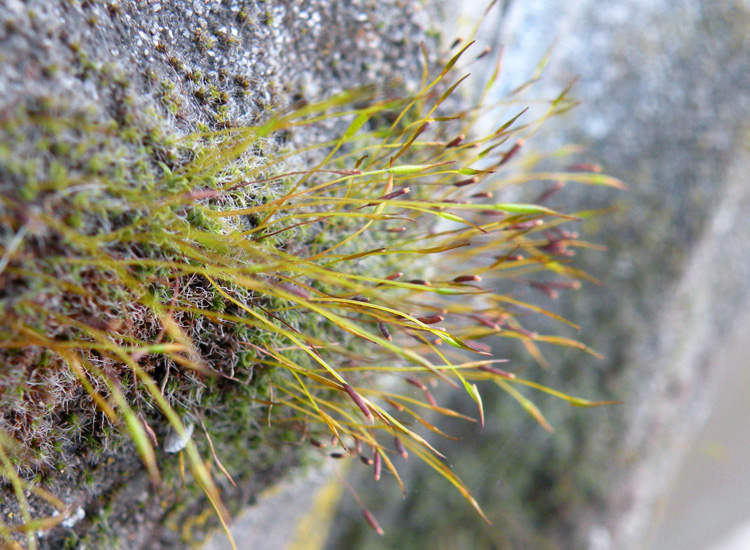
<point x="219" y="294"/>
<point x="100" y="103"/>
<point x="81" y="200"/>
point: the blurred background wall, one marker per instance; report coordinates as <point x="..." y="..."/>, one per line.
<point x="665" y="87"/>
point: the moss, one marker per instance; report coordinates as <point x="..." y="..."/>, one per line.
<point x="138" y="285"/>
<point x="177" y="64"/>
<point x="114" y="9"/>
<point x="242" y="81"/>
<point x="71" y="161"/>
<point x="102" y="157"/>
<point x="203" y="41"/>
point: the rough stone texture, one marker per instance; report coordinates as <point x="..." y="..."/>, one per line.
<point x="665" y="88"/>
<point x="262" y="527"/>
<point x="252" y="50"/>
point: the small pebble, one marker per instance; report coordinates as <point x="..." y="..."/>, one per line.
<point x="174" y="443"/>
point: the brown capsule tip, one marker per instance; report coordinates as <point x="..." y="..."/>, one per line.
<point x="498" y="372"/>
<point x="545" y="288"/>
<point x="431" y="319"/>
<point x="416" y="383"/>
<point x="337" y="455"/>
<point x="367" y="461"/>
<point x="372" y="522"/>
<point x="419" y="282"/>
<point x="486" y="321"/>
<point x="359" y="402"/>
<point x="456" y="42"/>
<point x="467" y="279"/>
<point x="455" y="142"/>
<point x="396" y="229"/>
<point x="400" y="447"/>
<point x="492" y="213"/>
<point x="395" y="194"/>
<point x="468" y="181"/>
<point x="384" y="330"/>
<point x="318" y="444"/>
<point x="484" y="53"/>
<point x="377" y="466"/>
<point x="512" y="152"/>
<point x="393" y="276"/>
<point x="482" y="195"/>
<point x="389" y="196"/>
<point x="430" y="398"/>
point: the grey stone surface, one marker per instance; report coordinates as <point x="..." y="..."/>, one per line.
<point x="270" y="524"/>
<point x="707" y="507"/>
<point x="260" y="53"/>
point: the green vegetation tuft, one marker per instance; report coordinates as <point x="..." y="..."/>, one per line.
<point x="227" y="286"/>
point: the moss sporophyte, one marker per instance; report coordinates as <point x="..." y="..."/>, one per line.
<point x="150" y="293"/>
